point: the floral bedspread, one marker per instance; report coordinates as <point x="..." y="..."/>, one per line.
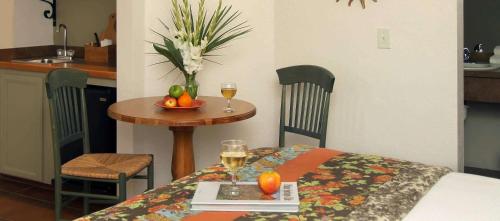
<point x="345" y="187"/>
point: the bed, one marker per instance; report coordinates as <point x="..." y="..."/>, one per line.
<point x="333" y="185"/>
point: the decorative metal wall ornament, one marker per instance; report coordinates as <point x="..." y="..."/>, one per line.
<point x="363" y="2"/>
<point x="51" y="13"/>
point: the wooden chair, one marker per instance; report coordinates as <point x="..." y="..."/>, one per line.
<point x="307" y="103"/>
<point x="65" y="90"/>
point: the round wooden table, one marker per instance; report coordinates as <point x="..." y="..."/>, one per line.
<point x="181" y="123"/>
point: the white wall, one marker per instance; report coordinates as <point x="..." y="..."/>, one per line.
<point x="30" y="27"/>
<point x="130" y="36"/>
<point x="83" y="19"/>
<point x="400" y="102"/>
<point x="24" y="24"/>
<point x="6" y="16"/>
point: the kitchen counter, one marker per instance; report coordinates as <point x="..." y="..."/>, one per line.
<point x="94" y="71"/>
<point x="8" y="57"/>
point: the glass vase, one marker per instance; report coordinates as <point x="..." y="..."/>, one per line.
<point x="191" y="85"/>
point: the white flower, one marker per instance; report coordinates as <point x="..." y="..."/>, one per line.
<point x="180" y="34"/>
<point x="192" y="58"/>
<point x="204" y="43"/>
<point x="195" y="52"/>
<point x="177" y="43"/>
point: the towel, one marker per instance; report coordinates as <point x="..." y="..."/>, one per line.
<point x="496" y="51"/>
<point x="495" y="59"/>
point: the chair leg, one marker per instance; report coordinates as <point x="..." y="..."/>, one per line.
<point x="122" y="187"/>
<point x="151" y="175"/>
<point x="86" y="189"/>
<point x="322" y="142"/>
<point x="57" y="197"/>
<point x="282" y="138"/>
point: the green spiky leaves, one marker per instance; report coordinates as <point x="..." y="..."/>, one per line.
<point x="196" y="35"/>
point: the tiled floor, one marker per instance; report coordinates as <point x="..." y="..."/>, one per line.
<point x="25" y="201"/>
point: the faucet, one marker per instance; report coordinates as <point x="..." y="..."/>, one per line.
<point x="63" y="26"/>
<point x="479" y="48"/>
<point x="467" y="55"/>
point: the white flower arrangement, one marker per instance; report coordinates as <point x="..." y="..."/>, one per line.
<point x="195" y="37"/>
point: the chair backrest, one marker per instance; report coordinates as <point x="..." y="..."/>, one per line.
<point x="307" y="102"/>
<point x="66" y="93"/>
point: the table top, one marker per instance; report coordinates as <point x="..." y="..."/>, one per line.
<point x="143" y="111"/>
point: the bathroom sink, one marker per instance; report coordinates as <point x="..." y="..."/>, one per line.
<point x="476" y="65"/>
<point x="481" y="67"/>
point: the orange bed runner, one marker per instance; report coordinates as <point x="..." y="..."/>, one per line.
<point x="290" y="171"/>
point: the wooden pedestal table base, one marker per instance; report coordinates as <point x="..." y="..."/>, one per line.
<point x="181" y="123"/>
<point x="183" y="156"/>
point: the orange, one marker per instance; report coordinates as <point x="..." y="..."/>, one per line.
<point x="185" y="100"/>
<point x="269" y="182"/>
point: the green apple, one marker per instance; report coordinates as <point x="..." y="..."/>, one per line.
<point x="175" y="91"/>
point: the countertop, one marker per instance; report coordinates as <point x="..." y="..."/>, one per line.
<point x="8" y="57"/>
<point x="94" y="71"/>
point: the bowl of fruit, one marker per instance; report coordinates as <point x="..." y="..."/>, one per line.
<point x="179" y="99"/>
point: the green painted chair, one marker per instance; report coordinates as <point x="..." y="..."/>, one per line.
<point x="307" y="104"/>
<point x="65" y="90"/>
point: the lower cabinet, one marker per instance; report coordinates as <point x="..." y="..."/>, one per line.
<point x="25" y="139"/>
<point x="25" y="126"/>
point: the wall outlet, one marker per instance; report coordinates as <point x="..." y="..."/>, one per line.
<point x="383" y="38"/>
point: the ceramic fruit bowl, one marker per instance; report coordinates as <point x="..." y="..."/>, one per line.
<point x="196" y="105"/>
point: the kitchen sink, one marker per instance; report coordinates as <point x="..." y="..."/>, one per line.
<point x="49" y="60"/>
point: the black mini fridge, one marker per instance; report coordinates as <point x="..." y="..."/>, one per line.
<point x="102" y="129"/>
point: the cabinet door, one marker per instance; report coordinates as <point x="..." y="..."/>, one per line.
<point x="21" y="126"/>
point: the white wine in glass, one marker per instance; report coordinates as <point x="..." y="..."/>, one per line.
<point x="228" y="93"/>
<point x="233" y="156"/>
<point x="233" y="160"/>
<point x="228" y="90"/>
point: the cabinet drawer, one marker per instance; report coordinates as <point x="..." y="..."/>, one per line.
<point x="480" y="89"/>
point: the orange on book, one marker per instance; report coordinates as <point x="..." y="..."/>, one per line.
<point x="269" y="182"/>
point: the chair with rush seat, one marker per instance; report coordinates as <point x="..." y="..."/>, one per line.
<point x="307" y="102"/>
<point x="65" y="90"/>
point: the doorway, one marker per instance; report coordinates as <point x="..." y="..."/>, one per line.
<point x="481" y="83"/>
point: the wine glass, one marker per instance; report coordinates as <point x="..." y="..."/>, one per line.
<point x="233" y="156"/>
<point x="228" y="90"/>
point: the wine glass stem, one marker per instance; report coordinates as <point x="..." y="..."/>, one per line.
<point x="233" y="178"/>
<point x="228" y="103"/>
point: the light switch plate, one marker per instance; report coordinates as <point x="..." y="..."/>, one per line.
<point x="383" y="38"/>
